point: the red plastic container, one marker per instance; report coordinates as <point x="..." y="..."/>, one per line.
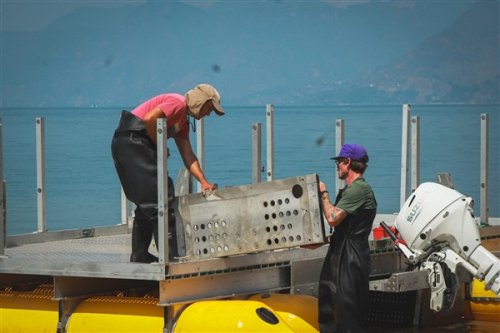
<point x="379" y="233"/>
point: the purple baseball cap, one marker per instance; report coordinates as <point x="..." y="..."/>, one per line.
<point x="353" y="151"/>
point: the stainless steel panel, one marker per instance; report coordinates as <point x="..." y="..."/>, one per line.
<point x="223" y="285"/>
<point x="400" y="282"/>
<point x="252" y="218"/>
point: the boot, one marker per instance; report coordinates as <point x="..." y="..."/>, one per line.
<point x="142" y="233"/>
<point x="172" y="235"/>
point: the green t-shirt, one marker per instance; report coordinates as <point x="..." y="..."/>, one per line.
<point x="356" y="197"/>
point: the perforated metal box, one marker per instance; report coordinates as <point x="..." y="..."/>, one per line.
<point x="251" y="218"/>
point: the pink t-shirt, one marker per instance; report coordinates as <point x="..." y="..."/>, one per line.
<point x="174" y="107"/>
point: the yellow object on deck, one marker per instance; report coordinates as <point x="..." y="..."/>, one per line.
<point x="291" y="306"/>
<point x="32" y="312"/>
<point x="238" y="316"/>
<point x="116" y="314"/>
<point x="484" y="304"/>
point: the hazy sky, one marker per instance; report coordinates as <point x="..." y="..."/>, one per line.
<point x="256" y="49"/>
<point x="32" y="15"/>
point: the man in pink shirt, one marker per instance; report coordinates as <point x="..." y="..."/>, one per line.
<point x="134" y="154"/>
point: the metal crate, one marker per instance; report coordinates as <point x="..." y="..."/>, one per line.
<point x="250" y="218"/>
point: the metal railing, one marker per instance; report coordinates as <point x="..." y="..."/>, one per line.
<point x="410" y="150"/>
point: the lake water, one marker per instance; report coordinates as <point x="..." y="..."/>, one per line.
<point x="83" y="190"/>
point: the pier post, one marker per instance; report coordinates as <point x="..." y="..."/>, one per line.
<point x="256" y="152"/>
<point x="405" y="153"/>
<point x="484" y="206"/>
<point x="40" y="175"/>
<point x="339" y="141"/>
<point x="3" y="229"/>
<point x="415" y="153"/>
<point x="200" y="145"/>
<point x="270" y="141"/>
<point x="161" y="146"/>
<point x="126" y="210"/>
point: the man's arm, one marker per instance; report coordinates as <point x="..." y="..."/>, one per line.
<point x="150" y="121"/>
<point x="333" y="214"/>
<point x="192" y="164"/>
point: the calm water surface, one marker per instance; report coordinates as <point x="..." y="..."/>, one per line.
<point x="83" y="190"/>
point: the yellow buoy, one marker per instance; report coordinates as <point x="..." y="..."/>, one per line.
<point x="237" y="316"/>
<point x="291" y="306"/>
<point x="117" y="314"/>
<point x="484" y="304"/>
<point x="33" y="311"/>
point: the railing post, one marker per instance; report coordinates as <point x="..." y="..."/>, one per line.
<point x="339" y="141"/>
<point x="40" y="175"/>
<point x="256" y="152"/>
<point x="200" y="145"/>
<point x="405" y="153"/>
<point x="126" y="211"/>
<point x="270" y="141"/>
<point x="3" y="229"/>
<point x="484" y="209"/>
<point x="415" y="153"/>
<point x="161" y="146"/>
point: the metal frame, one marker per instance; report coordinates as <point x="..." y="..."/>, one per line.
<point x="256" y="152"/>
<point x="415" y="153"/>
<point x="40" y="175"/>
<point x="484" y="169"/>
<point x="200" y="146"/>
<point x="162" y="154"/>
<point x="3" y="229"/>
<point x="405" y="153"/>
<point x="339" y="141"/>
<point x="270" y="141"/>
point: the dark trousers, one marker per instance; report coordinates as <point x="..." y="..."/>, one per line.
<point x="135" y="159"/>
<point x="343" y="289"/>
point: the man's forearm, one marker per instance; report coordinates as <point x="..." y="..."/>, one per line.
<point x="333" y="214"/>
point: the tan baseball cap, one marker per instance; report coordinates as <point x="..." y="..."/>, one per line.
<point x="203" y="92"/>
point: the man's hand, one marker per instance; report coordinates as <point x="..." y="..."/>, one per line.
<point x="207" y="187"/>
<point x="322" y="186"/>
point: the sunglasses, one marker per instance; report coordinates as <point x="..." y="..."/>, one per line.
<point x="341" y="160"/>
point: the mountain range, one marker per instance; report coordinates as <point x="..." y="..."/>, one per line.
<point x="281" y="52"/>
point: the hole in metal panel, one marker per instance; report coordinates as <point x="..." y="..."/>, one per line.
<point x="297" y="191"/>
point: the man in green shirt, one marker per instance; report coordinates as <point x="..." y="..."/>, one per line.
<point x="343" y="285"/>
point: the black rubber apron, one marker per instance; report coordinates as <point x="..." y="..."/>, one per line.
<point x="135" y="159"/>
<point x="343" y="285"/>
